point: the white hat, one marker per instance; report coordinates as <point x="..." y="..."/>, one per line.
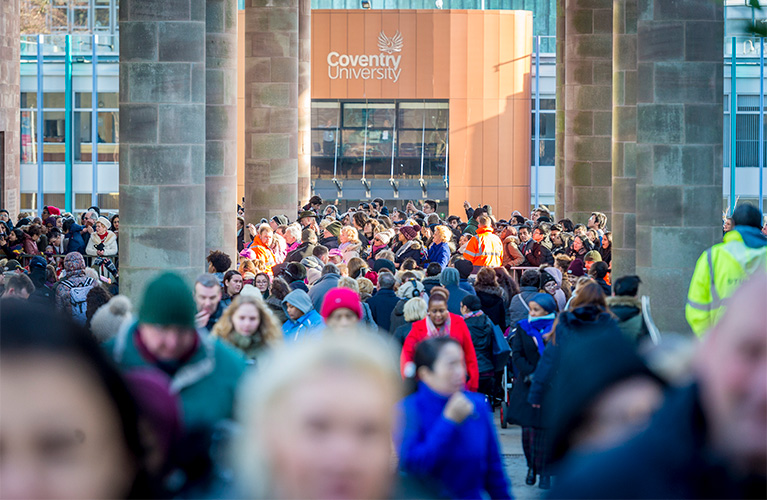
<point x="104" y="221"/>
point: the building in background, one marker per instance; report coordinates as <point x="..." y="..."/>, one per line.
<point x="85" y="171"/>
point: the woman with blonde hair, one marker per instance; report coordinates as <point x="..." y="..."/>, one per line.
<point x="249" y="325"/>
<point x="350" y="244"/>
<point x="346" y="385"/>
<point x="439" y="251"/>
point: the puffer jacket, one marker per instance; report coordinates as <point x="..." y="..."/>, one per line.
<point x="492" y="304"/>
<point x="482" y="336"/>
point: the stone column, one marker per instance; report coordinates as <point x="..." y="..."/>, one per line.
<point x="679" y="147"/>
<point x="221" y="126"/>
<point x="588" y="109"/>
<point x="624" y="137"/>
<point x="162" y="143"/>
<point x="559" y="169"/>
<point x="9" y="106"/>
<point x="271" y="108"/>
<point x="304" y="100"/>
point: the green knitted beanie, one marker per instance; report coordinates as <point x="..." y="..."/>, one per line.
<point x="168" y="301"/>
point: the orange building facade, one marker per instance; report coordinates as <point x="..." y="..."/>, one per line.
<point x="426" y="98"/>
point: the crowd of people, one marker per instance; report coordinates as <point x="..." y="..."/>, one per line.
<point x="299" y="366"/>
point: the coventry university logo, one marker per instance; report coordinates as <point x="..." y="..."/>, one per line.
<point x="390" y="45"/>
<point x="382" y="66"/>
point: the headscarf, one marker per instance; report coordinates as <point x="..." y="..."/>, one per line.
<point x="74" y="265"/>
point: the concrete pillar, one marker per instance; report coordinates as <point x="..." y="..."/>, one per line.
<point x="588" y="109"/>
<point x="271" y="108"/>
<point x="559" y="152"/>
<point x="679" y="147"/>
<point x="162" y="143"/>
<point x="304" y="101"/>
<point x="9" y="107"/>
<point x="221" y="126"/>
<point x="624" y="137"/>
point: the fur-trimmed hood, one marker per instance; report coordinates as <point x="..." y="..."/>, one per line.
<point x="624" y="301"/>
<point x="493" y="290"/>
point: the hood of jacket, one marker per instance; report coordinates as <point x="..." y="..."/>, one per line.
<point x="752" y="237"/>
<point x="586" y="320"/>
<point x="299" y="299"/>
<point x="555" y="273"/>
<point x="491" y="290"/>
<point x="327" y="277"/>
<point x="312" y="262"/>
<point x="624" y="301"/>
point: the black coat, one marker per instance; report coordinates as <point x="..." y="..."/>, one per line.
<point x="525" y="357"/>
<point x="397" y="317"/>
<point x="381" y="306"/>
<point x="538" y="255"/>
<point x="482" y="336"/>
<point x="330" y="243"/>
<point x="670" y="459"/>
<point x="402" y="332"/>
<point x="303" y="250"/>
<point x="493" y="305"/>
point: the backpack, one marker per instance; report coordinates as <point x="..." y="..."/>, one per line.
<point x="78" y="295"/>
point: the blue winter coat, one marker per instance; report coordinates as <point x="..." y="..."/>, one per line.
<point x="76" y="241"/>
<point x="464" y="458"/>
<point x="439" y="253"/>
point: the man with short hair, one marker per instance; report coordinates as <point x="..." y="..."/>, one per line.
<point x="627" y="307"/>
<point x="218" y="264"/>
<point x="383" y="302"/>
<point x="721" y="268"/>
<point x="535" y="252"/>
<point x="598" y="222"/>
<point x="429" y="207"/>
<point x="709" y="438"/>
<point x="18" y="286"/>
<point x="204" y="371"/>
<point x="485" y="249"/>
<point x="207" y="297"/>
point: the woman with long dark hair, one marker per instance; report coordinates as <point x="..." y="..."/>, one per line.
<point x="447" y="435"/>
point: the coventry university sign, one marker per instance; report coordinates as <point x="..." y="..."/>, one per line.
<point x="382" y="66"/>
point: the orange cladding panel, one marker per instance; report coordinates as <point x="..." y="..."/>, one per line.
<point x="372" y="25"/>
<point x="425" y="70"/>
<point x="338" y="45"/>
<point x="409" y="64"/>
<point x="320" y="50"/>
<point x="441" y="48"/>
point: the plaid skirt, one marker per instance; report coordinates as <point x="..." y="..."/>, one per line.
<point x="536" y="446"/>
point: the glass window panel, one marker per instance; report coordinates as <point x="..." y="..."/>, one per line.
<point x="407" y="167"/>
<point x="546" y="152"/>
<point x="436" y="114"/>
<point x="436" y="143"/>
<point x="323" y="142"/>
<point x="82" y="201"/>
<point x="353" y="142"/>
<point x="325" y="114"/>
<point x="550" y="104"/>
<point x="411" y="115"/>
<point x="382" y="141"/>
<point x="547" y="126"/>
<point x="109" y="100"/>
<point x="109" y="127"/>
<point x="53" y="100"/>
<point x="378" y="167"/>
<point x="109" y="201"/>
<point x="28" y="201"/>
<point x="53" y="136"/>
<point x="79" y="19"/>
<point x="434" y="168"/>
<point x="55" y="199"/>
<point x="28" y="137"/>
<point x="350" y="168"/>
<point x="29" y="99"/>
<point x="102" y="2"/>
<point x="410" y="143"/>
<point x="354" y="115"/>
<point x="83" y="100"/>
<point x="322" y="167"/>
<point x="82" y="136"/>
<point x="380" y="115"/>
<point x="101" y="18"/>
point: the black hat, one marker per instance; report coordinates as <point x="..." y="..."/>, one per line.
<point x="472" y="302"/>
<point x="464" y="268"/>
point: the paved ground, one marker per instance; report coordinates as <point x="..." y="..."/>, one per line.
<point x="514" y="459"/>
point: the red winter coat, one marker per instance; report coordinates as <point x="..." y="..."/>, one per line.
<point x="459" y="331"/>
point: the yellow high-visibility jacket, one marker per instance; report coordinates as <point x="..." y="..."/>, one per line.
<point x="718" y="273"/>
<point x="485" y="249"/>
